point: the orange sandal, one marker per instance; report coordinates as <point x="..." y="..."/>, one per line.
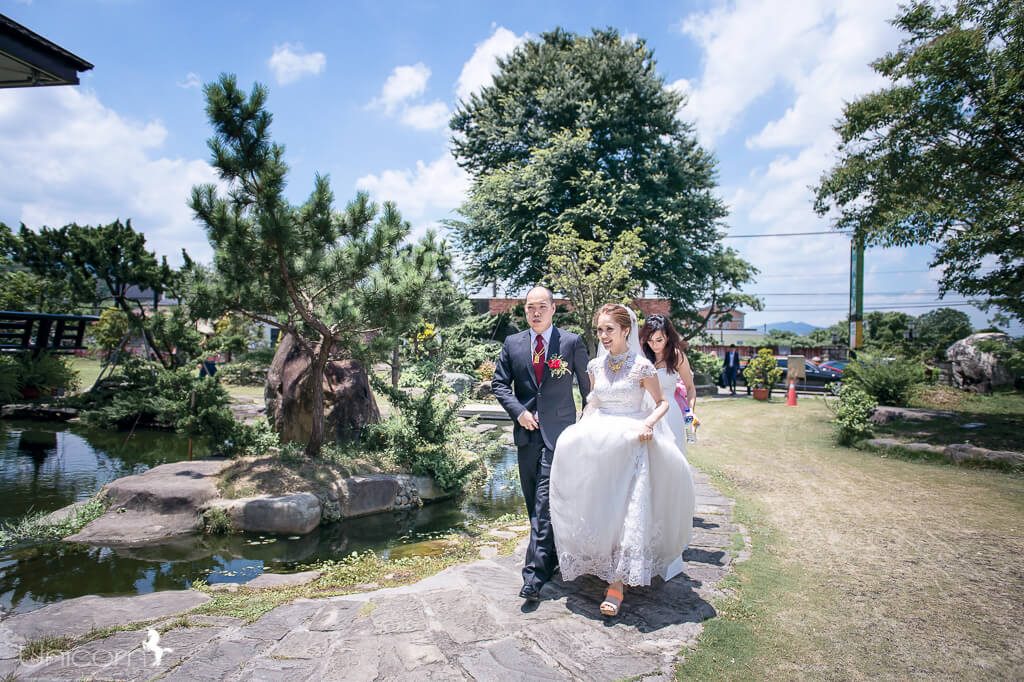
<point x="612" y="602"/>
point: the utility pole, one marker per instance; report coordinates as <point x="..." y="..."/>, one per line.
<point x="857" y="291"/>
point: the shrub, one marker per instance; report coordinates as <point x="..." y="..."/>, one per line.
<point x="468" y="358"/>
<point x="8" y="379"/>
<point x="425" y="436"/>
<point x="852" y="410"/>
<point x="705" y="363"/>
<point x="485" y="372"/>
<point x="46" y="373"/>
<point x="144" y="394"/>
<point x="244" y="373"/>
<point x="763" y="370"/>
<point x="889" y="381"/>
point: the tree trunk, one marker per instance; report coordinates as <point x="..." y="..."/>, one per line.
<point x="396" y="367"/>
<point x="316" y="434"/>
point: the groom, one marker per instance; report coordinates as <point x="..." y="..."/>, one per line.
<point x="533" y="382"/>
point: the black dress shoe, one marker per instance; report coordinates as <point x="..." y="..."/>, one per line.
<point x="529" y="593"/>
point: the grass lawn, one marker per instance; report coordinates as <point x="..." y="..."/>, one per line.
<point x="88" y="369"/>
<point x="1001" y="413"/>
<point x="863" y="566"/>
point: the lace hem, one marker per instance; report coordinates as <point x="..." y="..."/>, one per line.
<point x="635" y="559"/>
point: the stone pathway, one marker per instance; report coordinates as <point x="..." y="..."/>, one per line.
<point x="465" y="623"/>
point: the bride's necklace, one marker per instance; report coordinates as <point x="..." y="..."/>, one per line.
<point x="615" y="362"/>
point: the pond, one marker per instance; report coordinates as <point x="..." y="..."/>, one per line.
<point x="44" y="467"/>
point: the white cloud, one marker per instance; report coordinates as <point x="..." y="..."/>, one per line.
<point x="398" y="96"/>
<point x="426" y="193"/>
<point x="192" y="80"/>
<point x="426" y="116"/>
<point x="291" y="62"/>
<point x="68" y="158"/>
<point x="479" y="70"/>
<point x="818" y="54"/>
<point x="404" y="83"/>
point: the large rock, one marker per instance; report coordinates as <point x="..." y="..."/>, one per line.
<point x="883" y="414"/>
<point x="976" y="370"/>
<point x="348" y="402"/>
<point x="363" y="495"/>
<point x="164" y="502"/>
<point x="32" y="411"/>
<point x="75" y="617"/>
<point x="295" y="514"/>
<point x="459" y="383"/>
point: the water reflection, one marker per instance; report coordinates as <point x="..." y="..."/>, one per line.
<point x="59" y="467"/>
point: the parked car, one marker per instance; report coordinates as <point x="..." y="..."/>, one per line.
<point x="818" y="376"/>
<point x="835" y="365"/>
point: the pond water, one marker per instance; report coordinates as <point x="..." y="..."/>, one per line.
<point x="44" y="467"/>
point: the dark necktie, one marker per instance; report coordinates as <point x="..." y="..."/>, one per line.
<point x="538" y="359"/>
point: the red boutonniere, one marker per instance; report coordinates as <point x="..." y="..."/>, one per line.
<point x="557" y="366"/>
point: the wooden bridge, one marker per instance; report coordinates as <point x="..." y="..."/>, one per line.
<point x="38" y="332"/>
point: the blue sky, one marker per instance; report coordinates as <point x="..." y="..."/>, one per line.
<point x="362" y="91"/>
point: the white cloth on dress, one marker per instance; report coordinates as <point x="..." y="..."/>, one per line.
<point x="621" y="509"/>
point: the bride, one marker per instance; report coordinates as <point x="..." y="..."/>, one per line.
<point x="622" y="496"/>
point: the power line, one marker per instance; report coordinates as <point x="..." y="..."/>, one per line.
<point x="893" y="306"/>
<point x="784" y="234"/>
<point x="847" y="293"/>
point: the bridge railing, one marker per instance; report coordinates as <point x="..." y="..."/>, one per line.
<point x="38" y="332"/>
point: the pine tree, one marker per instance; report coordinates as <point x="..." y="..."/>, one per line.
<point x="338" y="282"/>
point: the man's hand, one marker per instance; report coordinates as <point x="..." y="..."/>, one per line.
<point x="527" y="421"/>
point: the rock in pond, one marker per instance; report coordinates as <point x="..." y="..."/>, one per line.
<point x="294" y="514"/>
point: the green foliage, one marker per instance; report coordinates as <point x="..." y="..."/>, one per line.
<point x="939" y="329"/>
<point x="232" y="335"/>
<point x="705" y="363"/>
<point x="335" y="280"/>
<point x="580" y="134"/>
<point x="243" y="373"/>
<point x="32" y="526"/>
<point x="888" y="381"/>
<point x="110" y="330"/>
<point x="216" y="521"/>
<point x="144" y="394"/>
<point x="763" y="370"/>
<point x="937" y="157"/>
<point x="425" y="436"/>
<point x="840" y="331"/>
<point x="1010" y="352"/>
<point x="852" y="409"/>
<point x="100" y="263"/>
<point x="591" y="273"/>
<point x="9" y="369"/>
<point x="173" y="333"/>
<point x="469" y="358"/>
<point x="46" y="374"/>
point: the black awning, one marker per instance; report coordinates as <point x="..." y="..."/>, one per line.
<point x="27" y="59"/>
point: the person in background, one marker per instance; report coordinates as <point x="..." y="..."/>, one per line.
<point x="731" y="366"/>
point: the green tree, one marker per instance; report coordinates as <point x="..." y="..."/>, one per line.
<point x="581" y="134"/>
<point x="105" y="262"/>
<point x="888" y="330"/>
<point x="592" y="273"/>
<point x="838" y="334"/>
<point x="938" y="329"/>
<point x="22" y="290"/>
<point x="937" y="157"/>
<point x="337" y="281"/>
<point x="110" y="330"/>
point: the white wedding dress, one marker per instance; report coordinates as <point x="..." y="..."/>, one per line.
<point x="621" y="509"/>
<point x="674" y="417"/>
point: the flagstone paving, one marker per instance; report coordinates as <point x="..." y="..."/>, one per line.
<point x="465" y="623"/>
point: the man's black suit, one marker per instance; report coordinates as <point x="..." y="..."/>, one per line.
<point x="516" y="388"/>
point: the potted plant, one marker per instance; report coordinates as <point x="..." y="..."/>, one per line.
<point x="762" y="372"/>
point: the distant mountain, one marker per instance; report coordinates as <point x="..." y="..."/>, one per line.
<point x="801" y="328"/>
